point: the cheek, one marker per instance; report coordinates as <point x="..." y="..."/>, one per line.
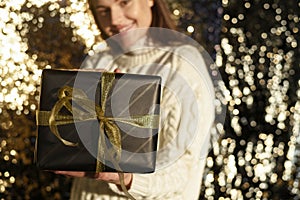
<point x="143" y="17"/>
<point x="103" y="22"/>
<point x="104" y="25"/>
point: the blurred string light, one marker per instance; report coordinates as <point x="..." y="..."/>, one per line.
<point x="293" y="155"/>
<point x="19" y="72"/>
<point x="78" y="16"/>
<point x="258" y="55"/>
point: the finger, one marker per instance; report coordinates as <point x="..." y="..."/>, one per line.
<point x="117" y="70"/>
<point x="111" y="177"/>
<point x="70" y="173"/>
<point x="114" y="177"/>
<point x="93" y="70"/>
<point x="91" y="175"/>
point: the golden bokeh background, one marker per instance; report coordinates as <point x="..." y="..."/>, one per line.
<point x="255" y="45"/>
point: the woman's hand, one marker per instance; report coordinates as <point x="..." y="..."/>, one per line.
<point x="110" y="177"/>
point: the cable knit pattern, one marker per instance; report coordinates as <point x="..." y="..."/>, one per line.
<point x="187" y="114"/>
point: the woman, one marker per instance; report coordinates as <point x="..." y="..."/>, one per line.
<point x="187" y="99"/>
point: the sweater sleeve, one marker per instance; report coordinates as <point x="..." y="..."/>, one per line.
<point x="187" y="115"/>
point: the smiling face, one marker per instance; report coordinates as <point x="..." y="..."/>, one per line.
<point x="121" y="16"/>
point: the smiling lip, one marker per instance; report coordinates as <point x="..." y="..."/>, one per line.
<point x="124" y="29"/>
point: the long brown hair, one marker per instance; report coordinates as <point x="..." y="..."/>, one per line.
<point x="161" y="16"/>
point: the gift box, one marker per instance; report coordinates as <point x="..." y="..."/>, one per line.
<point x="97" y="121"/>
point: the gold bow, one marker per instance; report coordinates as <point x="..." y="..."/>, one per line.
<point x="84" y="109"/>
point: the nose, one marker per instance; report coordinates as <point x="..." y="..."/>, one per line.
<point x="116" y="16"/>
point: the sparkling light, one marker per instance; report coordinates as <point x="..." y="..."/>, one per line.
<point x="259" y="64"/>
<point x="190" y="29"/>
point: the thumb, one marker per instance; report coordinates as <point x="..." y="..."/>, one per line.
<point x="117" y="70"/>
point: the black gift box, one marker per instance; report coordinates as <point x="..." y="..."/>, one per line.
<point x="97" y="121"/>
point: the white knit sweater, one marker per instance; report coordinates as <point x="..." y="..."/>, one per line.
<point x="187" y="112"/>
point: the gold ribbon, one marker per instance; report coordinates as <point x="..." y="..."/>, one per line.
<point x="84" y="109"/>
